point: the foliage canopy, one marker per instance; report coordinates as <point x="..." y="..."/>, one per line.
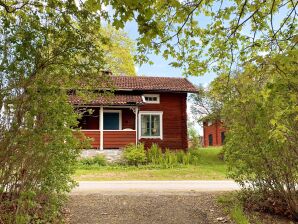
<point x="261" y="115"/>
<point x="46" y="48"/>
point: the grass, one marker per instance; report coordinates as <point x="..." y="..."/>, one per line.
<point x="234" y="208"/>
<point x="209" y="168"/>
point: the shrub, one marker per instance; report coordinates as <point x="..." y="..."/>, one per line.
<point x="135" y="154"/>
<point x="99" y="160"/>
<point x="154" y="154"/>
<point x="262" y="119"/>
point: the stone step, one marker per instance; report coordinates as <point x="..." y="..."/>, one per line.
<point x="111" y="155"/>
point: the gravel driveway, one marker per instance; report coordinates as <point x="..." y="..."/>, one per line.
<point x="146" y="208"/>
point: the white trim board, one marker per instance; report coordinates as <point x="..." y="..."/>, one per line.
<point x="151" y="95"/>
<point x="160" y="113"/>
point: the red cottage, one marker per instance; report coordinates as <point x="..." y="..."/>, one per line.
<point x="142" y="109"/>
<point x="214" y="133"/>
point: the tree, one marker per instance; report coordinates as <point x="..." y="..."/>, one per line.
<point x="211" y="35"/>
<point x="118" y="52"/>
<point x="205" y="105"/>
<point x="46" y="48"/>
<point x="261" y="116"/>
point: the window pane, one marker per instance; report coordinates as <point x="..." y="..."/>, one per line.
<point x="155" y="124"/>
<point x="111" y="121"/>
<point x="150" y="125"/>
<point x="145" y="125"/>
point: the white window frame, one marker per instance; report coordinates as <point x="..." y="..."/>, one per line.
<point x="120" y="118"/>
<point x="160" y="113"/>
<point x="151" y="95"/>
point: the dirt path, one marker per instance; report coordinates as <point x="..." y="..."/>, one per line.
<point x="146" y="208"/>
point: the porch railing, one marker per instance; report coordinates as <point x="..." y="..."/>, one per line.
<point x="114" y="139"/>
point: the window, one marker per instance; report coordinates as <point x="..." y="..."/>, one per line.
<point x="150" y="125"/>
<point x="112" y="120"/>
<point x="90" y="120"/>
<point x="151" y="98"/>
<point x="210" y="138"/>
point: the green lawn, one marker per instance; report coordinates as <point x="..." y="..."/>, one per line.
<point x="210" y="168"/>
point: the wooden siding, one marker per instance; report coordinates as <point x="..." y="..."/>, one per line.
<point x="128" y="118"/>
<point x="173" y="106"/>
<point x="112" y="139"/>
<point x="118" y="139"/>
<point x="96" y="137"/>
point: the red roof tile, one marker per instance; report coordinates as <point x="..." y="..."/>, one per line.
<point x="167" y="84"/>
<point x="109" y="100"/>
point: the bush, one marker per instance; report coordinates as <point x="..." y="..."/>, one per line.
<point x="99" y="160"/>
<point x="135" y="154"/>
<point x="262" y="122"/>
<point x="154" y="154"/>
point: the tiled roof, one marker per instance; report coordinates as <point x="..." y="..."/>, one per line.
<point x="167" y="84"/>
<point x="108" y="100"/>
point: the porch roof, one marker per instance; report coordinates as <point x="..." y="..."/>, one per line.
<point x="117" y="99"/>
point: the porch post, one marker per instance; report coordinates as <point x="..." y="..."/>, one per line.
<point x="136" y="123"/>
<point x="101" y="127"/>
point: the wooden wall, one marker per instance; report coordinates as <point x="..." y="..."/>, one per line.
<point x="118" y="139"/>
<point x="173" y="106"/>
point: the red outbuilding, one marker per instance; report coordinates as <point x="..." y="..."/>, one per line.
<point x="214" y="133"/>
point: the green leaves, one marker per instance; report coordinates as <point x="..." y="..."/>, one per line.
<point x="46" y="49"/>
<point x="229" y="33"/>
<point x="259" y="110"/>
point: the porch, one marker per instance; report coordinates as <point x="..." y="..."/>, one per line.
<point x="110" y="127"/>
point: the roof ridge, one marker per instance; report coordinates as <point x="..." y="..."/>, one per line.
<point x="167" y="77"/>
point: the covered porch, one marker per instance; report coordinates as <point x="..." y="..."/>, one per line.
<point x="110" y="127"/>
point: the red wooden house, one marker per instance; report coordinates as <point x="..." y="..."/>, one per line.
<point x="214" y="133"/>
<point x="142" y="109"/>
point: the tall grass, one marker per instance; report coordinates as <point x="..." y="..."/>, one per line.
<point x="154" y="155"/>
<point x="169" y="158"/>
